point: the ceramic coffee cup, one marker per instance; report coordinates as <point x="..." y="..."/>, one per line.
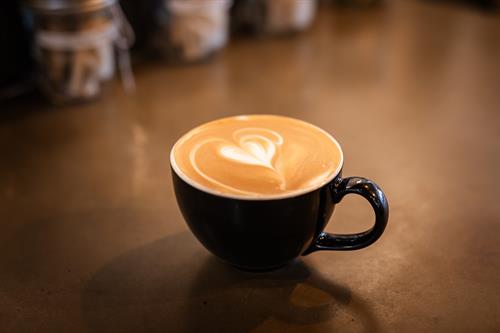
<point x="264" y="233"/>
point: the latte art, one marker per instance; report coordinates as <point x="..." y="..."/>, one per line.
<point x="257" y="155"/>
<point x="250" y="146"/>
<point x="254" y="146"/>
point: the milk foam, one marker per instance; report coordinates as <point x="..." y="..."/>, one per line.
<point x="257" y="155"/>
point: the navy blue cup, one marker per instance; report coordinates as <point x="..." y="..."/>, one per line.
<point x="260" y="234"/>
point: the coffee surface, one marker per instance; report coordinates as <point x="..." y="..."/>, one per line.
<point x="257" y="155"/>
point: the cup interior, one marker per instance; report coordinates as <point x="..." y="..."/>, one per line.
<point x="290" y="194"/>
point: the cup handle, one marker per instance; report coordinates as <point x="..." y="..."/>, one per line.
<point x="371" y="192"/>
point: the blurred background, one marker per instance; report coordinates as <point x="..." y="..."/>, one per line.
<point x="93" y="94"/>
<point x="68" y="49"/>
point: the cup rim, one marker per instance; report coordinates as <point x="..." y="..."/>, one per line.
<point x="287" y="195"/>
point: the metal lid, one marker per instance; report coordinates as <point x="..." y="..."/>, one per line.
<point x="68" y="6"/>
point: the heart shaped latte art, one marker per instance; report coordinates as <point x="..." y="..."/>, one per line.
<point x="256" y="156"/>
<point x="251" y="147"/>
<point x="255" y="149"/>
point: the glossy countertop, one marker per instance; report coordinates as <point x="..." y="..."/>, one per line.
<point x="91" y="239"/>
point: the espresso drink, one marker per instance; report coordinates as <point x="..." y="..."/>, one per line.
<point x="258" y="190"/>
<point x="257" y="156"/>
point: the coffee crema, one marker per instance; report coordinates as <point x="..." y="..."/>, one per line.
<point x="257" y="156"/>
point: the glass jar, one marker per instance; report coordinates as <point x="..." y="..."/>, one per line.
<point x="197" y="28"/>
<point x="75" y="46"/>
<point x="272" y="16"/>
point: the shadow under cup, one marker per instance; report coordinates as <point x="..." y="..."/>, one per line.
<point x="261" y="234"/>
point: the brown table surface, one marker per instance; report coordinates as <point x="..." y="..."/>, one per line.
<point x="91" y="238"/>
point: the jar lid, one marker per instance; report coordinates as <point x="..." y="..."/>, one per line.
<point x="68" y="6"/>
